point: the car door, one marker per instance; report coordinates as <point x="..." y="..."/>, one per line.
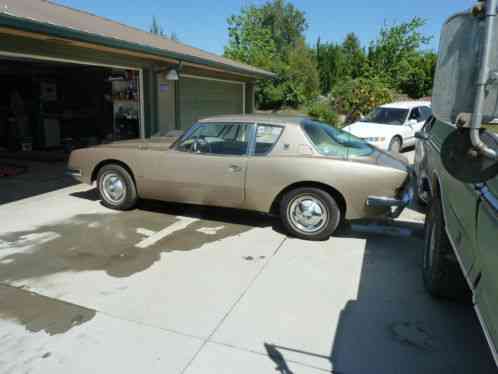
<point x="458" y="198"/>
<point x="207" y="166"/>
<point x="415" y="123"/>
<point x="487" y="260"/>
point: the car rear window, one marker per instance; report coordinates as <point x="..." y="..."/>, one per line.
<point x="330" y="141"/>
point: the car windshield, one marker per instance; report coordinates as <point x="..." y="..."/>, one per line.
<point x="387" y="116"/>
<point x="334" y="142"/>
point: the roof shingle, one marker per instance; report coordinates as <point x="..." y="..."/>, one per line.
<point x="54" y="15"/>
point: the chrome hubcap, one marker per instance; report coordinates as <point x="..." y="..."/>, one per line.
<point x="307" y="214"/>
<point x="114" y="188"/>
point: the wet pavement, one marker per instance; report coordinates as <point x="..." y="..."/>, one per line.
<point x="173" y="288"/>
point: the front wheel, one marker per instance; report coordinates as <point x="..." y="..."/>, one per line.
<point x="395" y="145"/>
<point x="310" y="213"/>
<point x="441" y="271"/>
<point x="116" y="187"/>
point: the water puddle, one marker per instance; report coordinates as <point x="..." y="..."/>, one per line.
<point x="108" y="242"/>
<point x="38" y="313"/>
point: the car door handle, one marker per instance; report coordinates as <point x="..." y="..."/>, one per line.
<point x="235" y="169"/>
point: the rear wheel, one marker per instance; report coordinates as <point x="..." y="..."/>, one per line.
<point x="310" y="213"/>
<point x="441" y="271"/>
<point x="116" y="187"/>
<point x="395" y="145"/>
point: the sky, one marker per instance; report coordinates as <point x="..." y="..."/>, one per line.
<point x="202" y="23"/>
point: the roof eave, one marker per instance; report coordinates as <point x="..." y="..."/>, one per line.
<point x="7" y="20"/>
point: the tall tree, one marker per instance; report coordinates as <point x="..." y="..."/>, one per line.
<point x="156" y="28"/>
<point x="355" y="56"/>
<point x="396" y="49"/>
<point x="332" y="65"/>
<point x="268" y="36"/>
<point x="286" y="23"/>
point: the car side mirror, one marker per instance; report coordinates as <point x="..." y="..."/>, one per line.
<point x="422" y="135"/>
<point x="463" y="162"/>
<point x="411" y="122"/>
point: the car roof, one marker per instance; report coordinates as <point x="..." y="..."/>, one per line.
<point x="270" y="119"/>
<point x="406" y="104"/>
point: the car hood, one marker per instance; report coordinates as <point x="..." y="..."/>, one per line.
<point x="157" y="142"/>
<point x="369" y="129"/>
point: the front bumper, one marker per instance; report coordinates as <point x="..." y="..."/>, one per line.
<point x="74" y="173"/>
<point x="396" y="204"/>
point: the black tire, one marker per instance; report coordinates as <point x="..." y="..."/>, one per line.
<point x="442" y="275"/>
<point x="129" y="200"/>
<point x="395" y="145"/>
<point x="333" y="217"/>
<point x="422" y="196"/>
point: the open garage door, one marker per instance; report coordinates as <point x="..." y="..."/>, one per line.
<point x="205" y="97"/>
<point x="49" y="107"/>
<point x="52" y="105"/>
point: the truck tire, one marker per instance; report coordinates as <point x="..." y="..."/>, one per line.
<point x="442" y="275"/>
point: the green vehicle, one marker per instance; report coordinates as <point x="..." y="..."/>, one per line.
<point x="460" y="167"/>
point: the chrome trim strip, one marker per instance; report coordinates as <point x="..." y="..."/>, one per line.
<point x="491" y="344"/>
<point x="75" y="173"/>
<point x="488" y="197"/>
<point x="383" y="201"/>
<point x="437" y="147"/>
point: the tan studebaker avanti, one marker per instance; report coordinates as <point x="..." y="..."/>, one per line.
<point x="310" y="174"/>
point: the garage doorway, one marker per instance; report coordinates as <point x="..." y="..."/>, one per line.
<point x="55" y="106"/>
<point x="48" y="108"/>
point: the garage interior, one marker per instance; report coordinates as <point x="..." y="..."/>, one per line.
<point x="49" y="108"/>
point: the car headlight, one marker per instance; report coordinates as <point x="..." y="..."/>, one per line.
<point x="375" y="139"/>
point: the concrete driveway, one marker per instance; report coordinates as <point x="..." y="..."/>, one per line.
<point x="181" y="289"/>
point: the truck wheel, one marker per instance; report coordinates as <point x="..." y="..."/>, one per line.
<point x="116" y="187"/>
<point x="442" y="275"/>
<point x="310" y="213"/>
<point x="422" y="195"/>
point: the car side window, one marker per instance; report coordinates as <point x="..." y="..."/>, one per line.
<point x="266" y="138"/>
<point x="415" y="114"/>
<point x="426" y="113"/>
<point x="217" y="139"/>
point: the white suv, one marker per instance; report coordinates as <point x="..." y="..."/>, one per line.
<point x="392" y="127"/>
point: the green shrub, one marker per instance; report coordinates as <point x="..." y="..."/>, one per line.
<point x="322" y="111"/>
<point x="358" y="97"/>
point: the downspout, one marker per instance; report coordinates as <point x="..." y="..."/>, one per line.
<point x="483" y="80"/>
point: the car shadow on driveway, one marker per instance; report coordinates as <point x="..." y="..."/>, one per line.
<point x="393" y="325"/>
<point x="207" y="213"/>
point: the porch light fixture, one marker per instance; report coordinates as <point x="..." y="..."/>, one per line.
<point x="172" y="75"/>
